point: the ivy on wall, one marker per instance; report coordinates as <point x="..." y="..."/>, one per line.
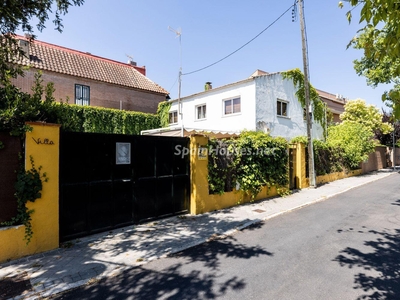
<point x="28" y="188"/>
<point x="251" y="161"/>
<point x="321" y="113"/>
<point x="163" y="113"/>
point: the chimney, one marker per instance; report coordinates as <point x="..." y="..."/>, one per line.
<point x="141" y="70"/>
<point x="24" y="47"/>
<point x="132" y="63"/>
<point x="208" y="86"/>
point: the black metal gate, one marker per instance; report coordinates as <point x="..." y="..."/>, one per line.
<point x="292" y="163"/>
<point x="109" y="181"/>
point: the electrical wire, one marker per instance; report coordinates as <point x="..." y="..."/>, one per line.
<point x="213" y="64"/>
<point x="176" y="80"/>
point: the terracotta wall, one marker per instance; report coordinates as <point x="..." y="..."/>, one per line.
<point x="376" y="160"/>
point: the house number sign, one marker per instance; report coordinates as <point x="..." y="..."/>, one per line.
<point x="202" y="153"/>
<point x="45" y="141"/>
<point x="123" y="154"/>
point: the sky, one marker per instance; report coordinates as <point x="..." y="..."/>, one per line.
<point x="211" y="30"/>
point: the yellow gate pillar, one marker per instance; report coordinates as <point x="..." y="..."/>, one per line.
<point x="43" y="144"/>
<point x="300" y="176"/>
<point x="198" y="173"/>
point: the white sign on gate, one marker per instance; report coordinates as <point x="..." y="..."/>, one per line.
<point x="123" y="154"/>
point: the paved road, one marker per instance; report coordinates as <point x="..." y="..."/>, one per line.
<point x="347" y="247"/>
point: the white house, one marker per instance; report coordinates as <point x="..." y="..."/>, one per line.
<point x="264" y="102"/>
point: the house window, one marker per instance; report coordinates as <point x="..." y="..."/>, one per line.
<point x="173" y="117"/>
<point x="282" y="108"/>
<point x="201" y="112"/>
<point x="232" y="106"/>
<point x="82" y="94"/>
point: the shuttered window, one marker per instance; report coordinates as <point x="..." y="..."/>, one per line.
<point x="173" y="117"/>
<point x="232" y="106"/>
<point x="201" y="112"/>
<point x="82" y="94"/>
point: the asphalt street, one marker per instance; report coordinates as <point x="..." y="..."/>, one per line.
<point x="347" y="247"/>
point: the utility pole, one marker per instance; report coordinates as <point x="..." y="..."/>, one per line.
<point x="311" y="173"/>
<point x="394" y="147"/>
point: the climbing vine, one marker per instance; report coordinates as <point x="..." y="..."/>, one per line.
<point x="163" y="113"/>
<point x="251" y="161"/>
<point x="221" y="170"/>
<point x="28" y="187"/>
<point x="321" y="113"/>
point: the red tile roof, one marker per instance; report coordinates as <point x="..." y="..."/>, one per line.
<point x="45" y="56"/>
<point x="331" y="97"/>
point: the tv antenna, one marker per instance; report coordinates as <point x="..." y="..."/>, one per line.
<point x="178" y="33"/>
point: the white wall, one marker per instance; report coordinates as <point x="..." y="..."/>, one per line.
<point x="216" y="120"/>
<point x="269" y="89"/>
<point x="258" y="108"/>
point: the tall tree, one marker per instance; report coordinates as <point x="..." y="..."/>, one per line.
<point x="18" y="14"/>
<point x="387" y="138"/>
<point x="378" y="38"/>
<point x="369" y="116"/>
<point x="354" y="140"/>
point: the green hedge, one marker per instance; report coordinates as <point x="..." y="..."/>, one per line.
<point x="100" y="120"/>
<point x="17" y="107"/>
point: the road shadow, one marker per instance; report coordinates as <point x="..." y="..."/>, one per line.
<point x="397" y="202"/>
<point x="210" y="253"/>
<point x="104" y="253"/>
<point x="180" y="280"/>
<point x="381" y="279"/>
<point x="13" y="286"/>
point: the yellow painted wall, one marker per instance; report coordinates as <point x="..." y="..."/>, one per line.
<point x="198" y="176"/>
<point x="200" y="200"/>
<point x="336" y="176"/>
<point x="43" y="145"/>
<point x="229" y="199"/>
<point x="300" y="170"/>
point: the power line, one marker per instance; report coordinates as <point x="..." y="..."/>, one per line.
<point x="176" y="80"/>
<point x="242" y="45"/>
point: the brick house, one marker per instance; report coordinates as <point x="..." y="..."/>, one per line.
<point x="86" y="79"/>
<point x="335" y="103"/>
